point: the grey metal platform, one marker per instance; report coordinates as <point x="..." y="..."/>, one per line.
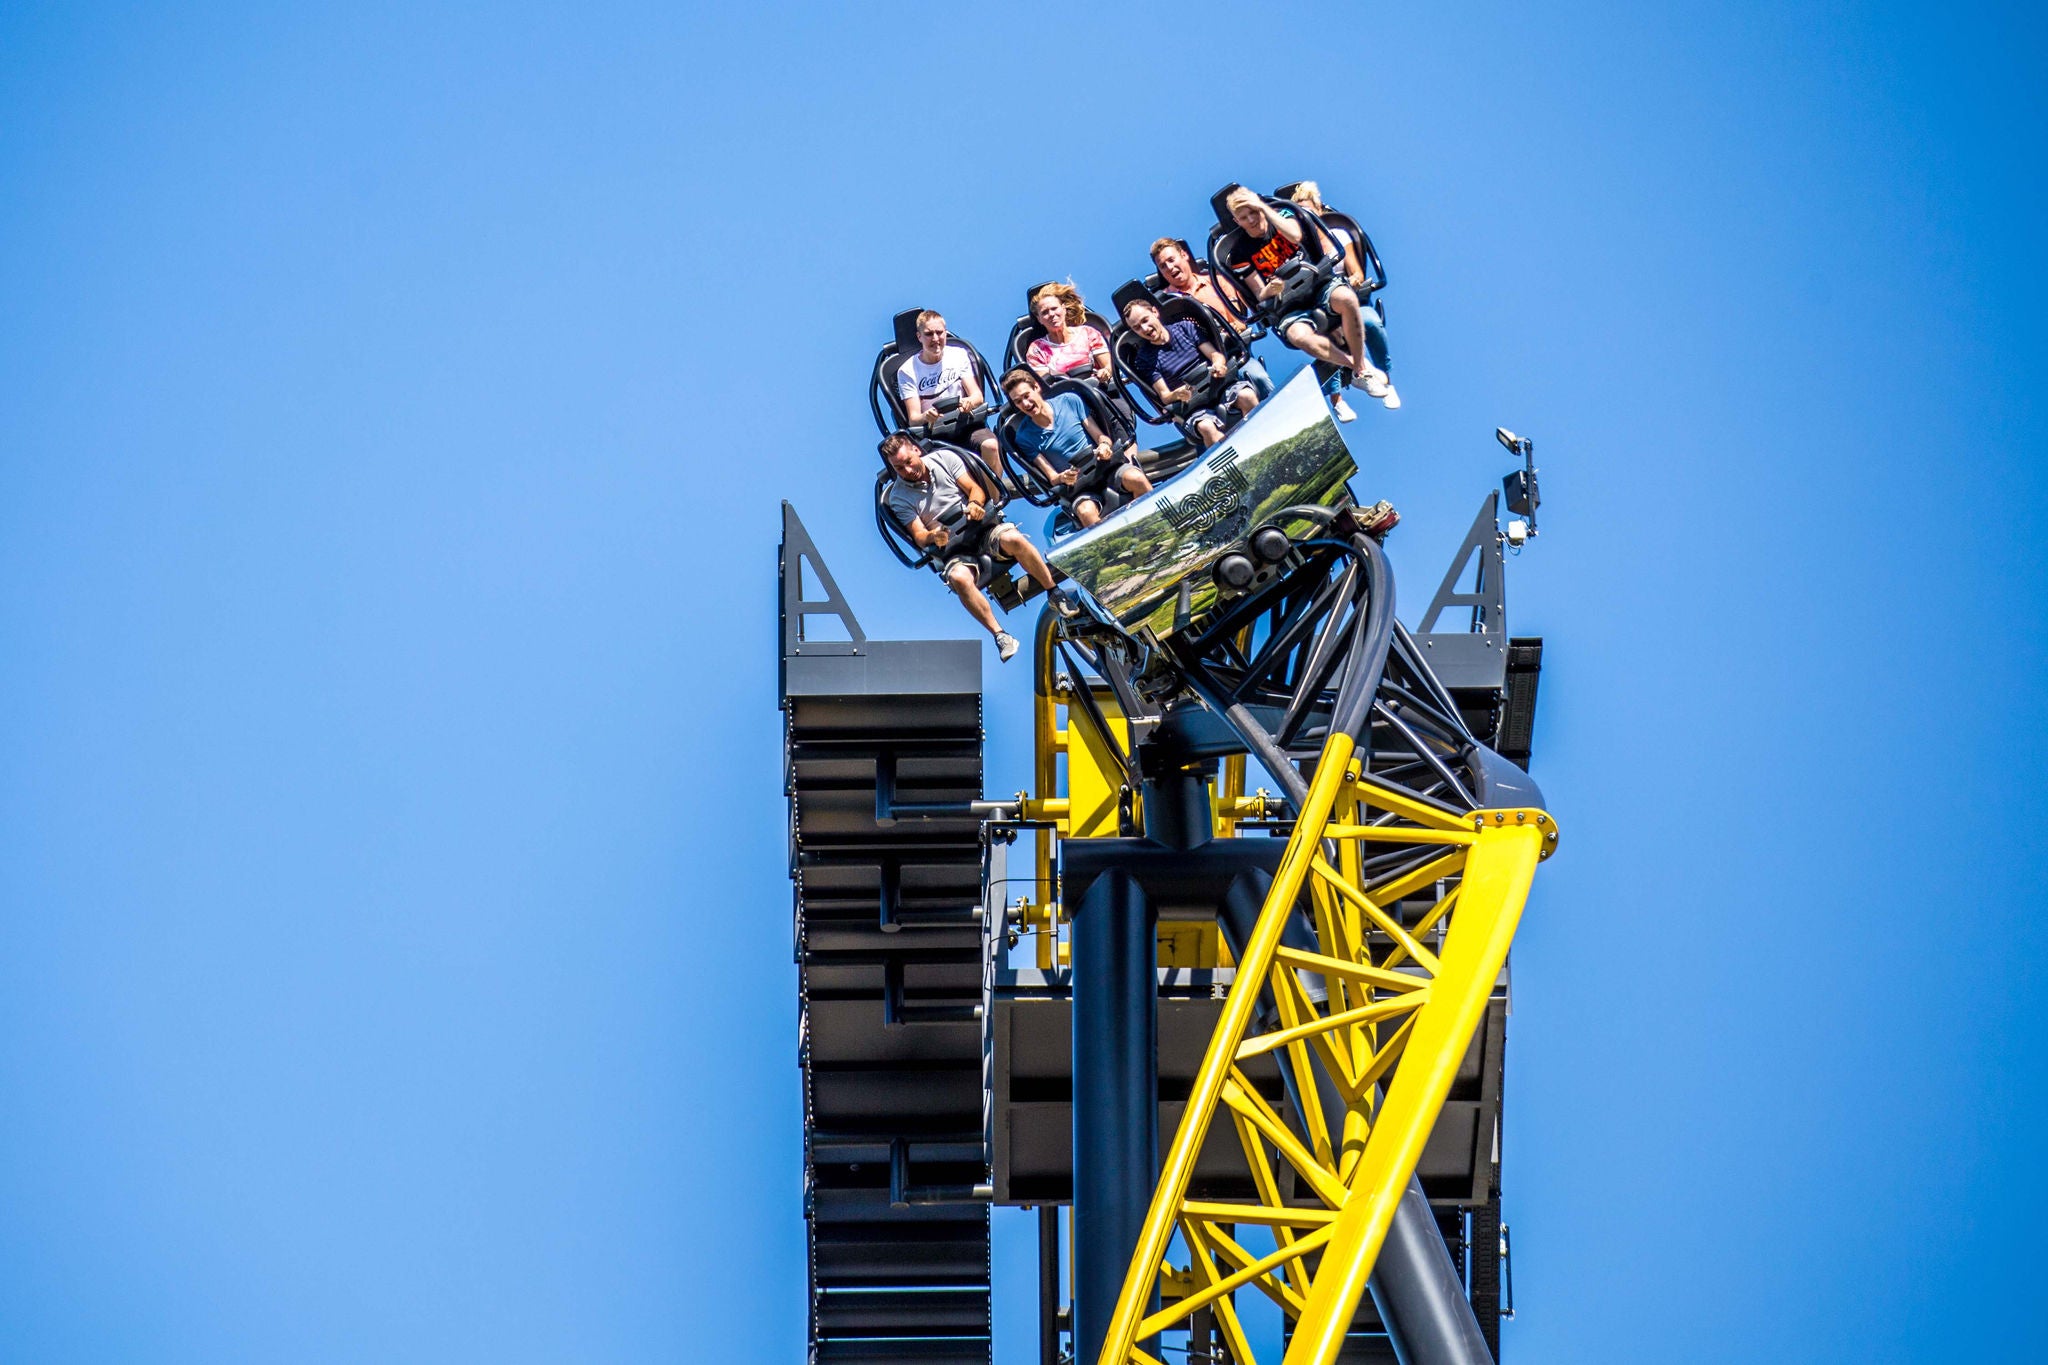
<point x="889" y="950"/>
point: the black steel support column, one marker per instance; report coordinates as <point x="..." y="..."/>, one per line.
<point x="1416" y="1289"/>
<point x="1116" y="1095"/>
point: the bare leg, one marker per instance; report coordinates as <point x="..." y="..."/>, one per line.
<point x="1087" y="511"/>
<point x="1018" y="546"/>
<point x="1309" y="341"/>
<point x="1134" y="481"/>
<point x="960" y="579"/>
<point x="1208" y="431"/>
<point x="1247" y="399"/>
<point x="1345" y="304"/>
<point x="991" y="451"/>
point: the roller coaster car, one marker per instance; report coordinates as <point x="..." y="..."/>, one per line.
<point x="1208" y="390"/>
<point x="1303" y="277"/>
<point x="1206" y="536"/>
<point x="953" y="425"/>
<point x="998" y="576"/>
<point x="1347" y="228"/>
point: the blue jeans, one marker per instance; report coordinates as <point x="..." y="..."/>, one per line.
<point x="1369" y="323"/>
<point x="1375" y="335"/>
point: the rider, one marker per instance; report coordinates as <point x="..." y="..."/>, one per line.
<point x="941" y="373"/>
<point x="1270" y="240"/>
<point x="1172" y="355"/>
<point x="1309" y="195"/>
<point x="1180" y="273"/>
<point x="942" y="508"/>
<point x="1071" y="345"/>
<point x="1069" y="448"/>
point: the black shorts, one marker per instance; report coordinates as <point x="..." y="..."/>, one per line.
<point x="968" y="548"/>
<point x="1095" y="477"/>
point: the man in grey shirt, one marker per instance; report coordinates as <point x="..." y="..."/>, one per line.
<point x="940" y="504"/>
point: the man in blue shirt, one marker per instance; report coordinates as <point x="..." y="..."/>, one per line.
<point x="1074" y="454"/>
<point x="1172" y="357"/>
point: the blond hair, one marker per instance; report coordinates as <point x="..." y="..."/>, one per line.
<point x="1070" y="301"/>
<point x="1309" y="195"/>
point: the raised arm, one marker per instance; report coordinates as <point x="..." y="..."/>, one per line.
<point x="1286" y="224"/>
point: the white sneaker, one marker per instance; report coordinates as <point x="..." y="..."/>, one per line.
<point x="1006" y="645"/>
<point x="1390" y="398"/>
<point x="1343" y="409"/>
<point x="1374" y="382"/>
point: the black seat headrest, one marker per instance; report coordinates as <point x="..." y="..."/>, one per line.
<point x="1129" y="292"/>
<point x="1287" y="190"/>
<point x="1221" y="208"/>
<point x="906" y="329"/>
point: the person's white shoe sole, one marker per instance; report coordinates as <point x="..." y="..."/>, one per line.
<point x="1344" y="412"/>
<point x="1006" y="647"/>
<point x="1391" y="398"/>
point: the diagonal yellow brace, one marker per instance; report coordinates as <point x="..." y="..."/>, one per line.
<point x="1207" y="1091"/>
<point x="1495" y="887"/>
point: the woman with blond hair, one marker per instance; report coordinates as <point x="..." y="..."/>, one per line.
<point x="1071" y="344"/>
<point x="1309" y="195"/>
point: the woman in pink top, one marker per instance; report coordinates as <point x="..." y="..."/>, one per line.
<point x="1070" y="345"/>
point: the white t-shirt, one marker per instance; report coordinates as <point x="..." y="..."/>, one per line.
<point x="937" y="500"/>
<point x="934" y="383"/>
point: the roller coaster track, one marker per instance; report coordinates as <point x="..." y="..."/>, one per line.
<point x="1362" y="965"/>
<point x="1410" y="880"/>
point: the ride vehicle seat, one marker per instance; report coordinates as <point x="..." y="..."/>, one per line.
<point x="1303" y="277"/>
<point x="967" y="540"/>
<point x="1028" y="329"/>
<point x="1096" y="477"/>
<point x="1350" y="233"/>
<point x="953" y="426"/>
<point x="1238" y="312"/>
<point x="1209" y="391"/>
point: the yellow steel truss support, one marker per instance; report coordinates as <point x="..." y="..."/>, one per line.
<point x="1396" y="1019"/>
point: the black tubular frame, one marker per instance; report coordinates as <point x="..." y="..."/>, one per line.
<point x="1319" y="652"/>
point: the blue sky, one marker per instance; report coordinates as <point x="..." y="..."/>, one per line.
<point x="395" y="403"/>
